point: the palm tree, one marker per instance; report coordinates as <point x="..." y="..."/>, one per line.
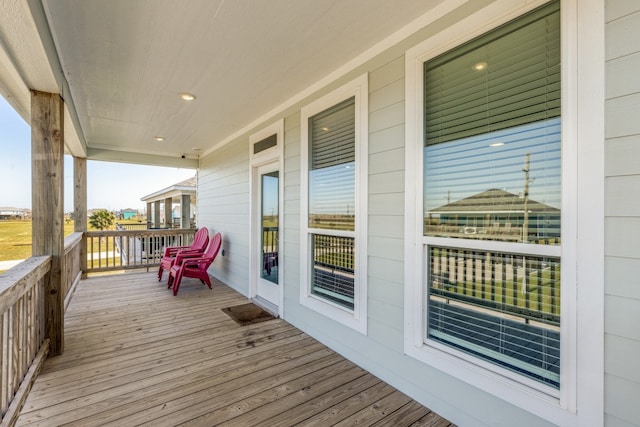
<point x="102" y="219"/>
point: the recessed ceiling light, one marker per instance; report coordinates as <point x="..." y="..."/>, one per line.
<point x="496" y="144"/>
<point x="159" y="138"/>
<point x="480" y="66"/>
<point x="185" y="96"/>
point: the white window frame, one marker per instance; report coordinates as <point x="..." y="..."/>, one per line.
<point x="270" y="155"/>
<point x="356" y="318"/>
<point x="582" y="186"/>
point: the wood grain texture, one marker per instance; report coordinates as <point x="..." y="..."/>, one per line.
<point x="137" y="355"/>
<point x="47" y="204"/>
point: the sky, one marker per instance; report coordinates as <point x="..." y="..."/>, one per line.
<point x="112" y="186"/>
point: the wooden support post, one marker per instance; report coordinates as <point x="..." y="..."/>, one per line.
<point x="185" y="211"/>
<point x="168" y="212"/>
<point x="47" y="204"/>
<point x="156" y="214"/>
<point x="80" y="207"/>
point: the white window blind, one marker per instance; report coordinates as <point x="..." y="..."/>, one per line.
<point x="333" y="135"/>
<point x="502" y="80"/>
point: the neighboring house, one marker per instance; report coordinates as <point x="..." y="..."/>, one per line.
<point x="128" y="214"/>
<point x="14" y="213"/>
<point x="173" y="206"/>
<point x="355" y="171"/>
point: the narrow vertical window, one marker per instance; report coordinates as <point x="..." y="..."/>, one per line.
<point x="333" y="239"/>
<point x="332" y="202"/>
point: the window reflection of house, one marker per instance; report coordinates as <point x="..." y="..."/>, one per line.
<point x="494" y="214"/>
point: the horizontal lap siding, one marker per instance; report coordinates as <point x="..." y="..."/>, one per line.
<point x="223" y="206"/>
<point x="622" y="211"/>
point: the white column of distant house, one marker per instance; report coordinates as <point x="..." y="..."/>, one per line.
<point x="183" y="192"/>
<point x="168" y="212"/>
<point x="149" y="210"/>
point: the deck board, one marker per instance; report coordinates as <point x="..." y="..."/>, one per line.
<point x="136" y="355"/>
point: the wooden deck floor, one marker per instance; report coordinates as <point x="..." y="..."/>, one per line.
<point x="136" y="355"/>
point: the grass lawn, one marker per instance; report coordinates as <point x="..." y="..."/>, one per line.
<point x="15" y="238"/>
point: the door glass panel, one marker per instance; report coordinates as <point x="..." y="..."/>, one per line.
<point x="269" y="224"/>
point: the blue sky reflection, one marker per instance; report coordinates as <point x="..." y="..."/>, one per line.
<point x="458" y="169"/>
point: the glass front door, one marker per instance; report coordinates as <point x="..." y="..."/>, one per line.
<point x="269" y="226"/>
<point x="268" y="238"/>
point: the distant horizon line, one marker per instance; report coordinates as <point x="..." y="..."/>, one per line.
<point x="3" y="208"/>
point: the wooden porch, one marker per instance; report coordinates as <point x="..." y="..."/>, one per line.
<point x="136" y="355"/>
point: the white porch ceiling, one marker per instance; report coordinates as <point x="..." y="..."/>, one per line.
<point x="126" y="61"/>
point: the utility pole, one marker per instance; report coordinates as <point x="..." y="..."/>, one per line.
<point x="525" y="222"/>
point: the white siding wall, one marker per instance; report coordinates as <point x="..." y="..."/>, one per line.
<point x="223" y="206"/>
<point x="622" y="248"/>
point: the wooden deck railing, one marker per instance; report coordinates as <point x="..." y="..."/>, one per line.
<point x="22" y="330"/>
<point x="72" y="265"/>
<point x="139" y="226"/>
<point x="131" y="249"/>
<point x="22" y="322"/>
<point x="22" y="299"/>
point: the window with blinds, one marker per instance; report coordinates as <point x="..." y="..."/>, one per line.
<point x="492" y="157"/>
<point x="332" y="167"/>
<point x="332" y="202"/>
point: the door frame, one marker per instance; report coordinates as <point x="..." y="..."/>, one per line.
<point x="266" y="157"/>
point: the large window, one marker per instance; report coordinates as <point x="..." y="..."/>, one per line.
<point x="492" y="174"/>
<point x="333" y="133"/>
<point x="504" y="210"/>
<point x="491" y="202"/>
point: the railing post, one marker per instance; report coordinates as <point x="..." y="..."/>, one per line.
<point x="47" y="168"/>
<point x="80" y="207"/>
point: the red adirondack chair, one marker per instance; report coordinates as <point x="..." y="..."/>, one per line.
<point x="200" y="241"/>
<point x="195" y="267"/>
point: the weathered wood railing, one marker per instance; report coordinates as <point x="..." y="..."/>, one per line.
<point x="139" y="226"/>
<point x="22" y="299"/>
<point x="72" y="265"/>
<point x="22" y="322"/>
<point x="22" y="331"/>
<point x="131" y="249"/>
